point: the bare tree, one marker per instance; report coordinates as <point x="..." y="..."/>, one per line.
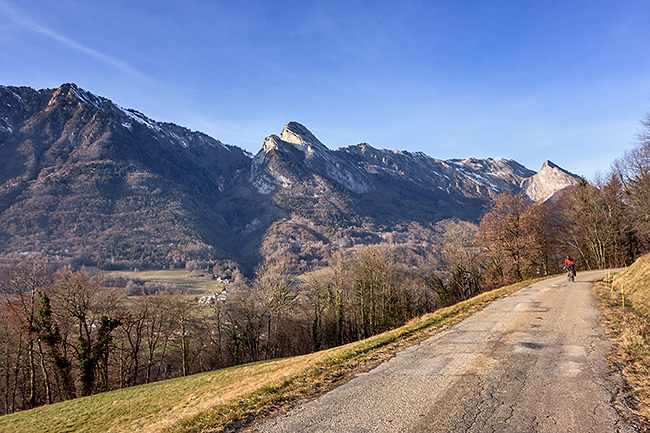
<point x="14" y="339"/>
<point x="274" y="288"/>
<point x="501" y="232"/>
<point x="337" y="293"/>
<point x="22" y="285"/>
<point x="216" y="322"/>
<point x="520" y="239"/>
<point x="157" y="332"/>
<point x="91" y="310"/>
<point x="182" y="315"/>
<point x="133" y="326"/>
<point x="329" y="289"/>
<point x="459" y="263"/>
<point x="543" y="227"/>
<point x="633" y="171"/>
<point x="588" y="228"/>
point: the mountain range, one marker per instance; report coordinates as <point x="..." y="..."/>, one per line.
<point x="86" y="180"/>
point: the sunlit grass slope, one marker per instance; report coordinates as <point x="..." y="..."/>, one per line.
<point x="625" y="298"/>
<point x="216" y="400"/>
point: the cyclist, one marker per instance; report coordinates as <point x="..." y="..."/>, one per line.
<point x="569" y="264"/>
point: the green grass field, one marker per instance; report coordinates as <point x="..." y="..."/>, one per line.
<point x="193" y="283"/>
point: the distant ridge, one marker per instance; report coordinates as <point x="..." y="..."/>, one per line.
<point x="83" y="179"/>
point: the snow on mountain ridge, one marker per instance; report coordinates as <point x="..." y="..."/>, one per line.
<point x="140" y="118"/>
<point x="357" y="168"/>
<point x="182" y="136"/>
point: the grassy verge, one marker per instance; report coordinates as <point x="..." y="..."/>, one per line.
<point x="625" y="301"/>
<point x="224" y="399"/>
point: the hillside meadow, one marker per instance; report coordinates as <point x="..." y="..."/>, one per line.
<point x="625" y="300"/>
<point x="192" y="283"/>
<point x="225" y="398"/>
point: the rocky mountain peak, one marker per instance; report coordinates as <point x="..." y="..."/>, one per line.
<point x="548" y="164"/>
<point x="296" y="156"/>
<point x="271" y="143"/>
<point x="548" y="181"/>
<point x="301" y="138"/>
<point x="551" y="169"/>
<point x="71" y="93"/>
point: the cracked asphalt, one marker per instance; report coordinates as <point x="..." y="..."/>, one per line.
<point x="531" y="362"/>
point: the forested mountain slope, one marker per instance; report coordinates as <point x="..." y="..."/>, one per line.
<point x="86" y="180"/>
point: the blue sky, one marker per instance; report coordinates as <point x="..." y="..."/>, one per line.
<point x="529" y="80"/>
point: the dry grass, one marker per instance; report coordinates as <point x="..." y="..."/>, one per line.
<point x="223" y="399"/>
<point x="625" y="300"/>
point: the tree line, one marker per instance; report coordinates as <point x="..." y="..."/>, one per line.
<point x="610" y="218"/>
<point x="66" y="333"/>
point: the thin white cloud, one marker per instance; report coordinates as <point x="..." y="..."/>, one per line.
<point x="23" y="18"/>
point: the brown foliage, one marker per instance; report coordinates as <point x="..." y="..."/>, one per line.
<point x="520" y="240"/>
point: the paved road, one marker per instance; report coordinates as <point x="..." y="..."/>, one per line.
<point x="532" y="362"/>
